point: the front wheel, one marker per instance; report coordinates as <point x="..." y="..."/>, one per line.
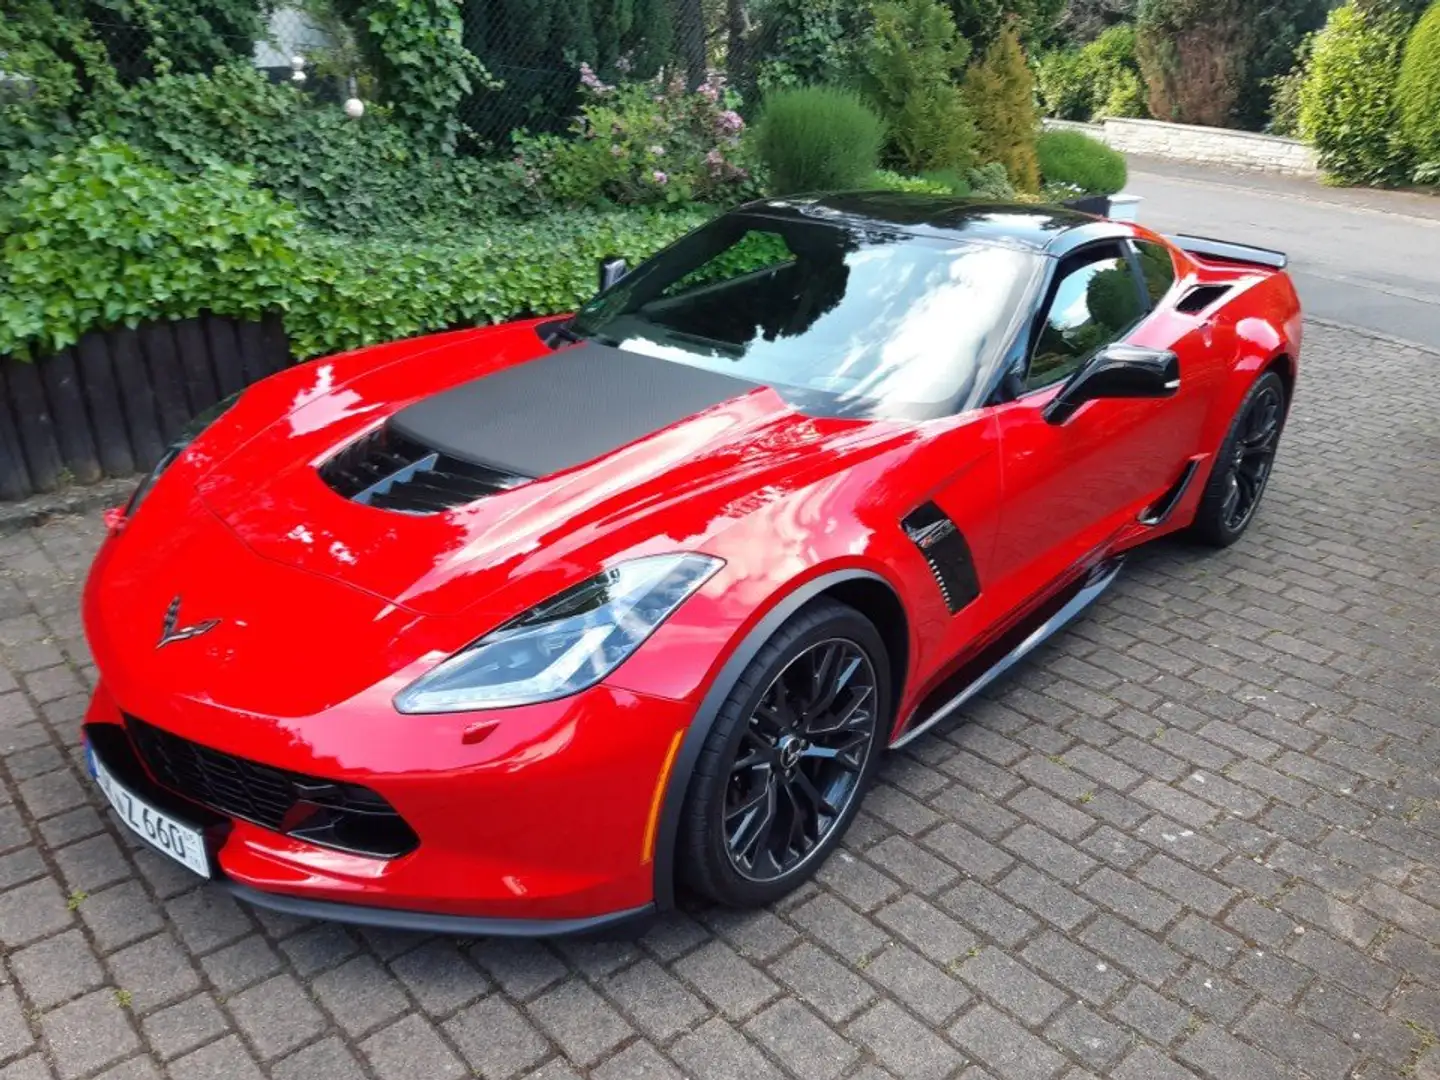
<point x="795" y="746"/>
<point x="1242" y="467"/>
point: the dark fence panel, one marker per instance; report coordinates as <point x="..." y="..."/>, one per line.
<point x="110" y="405"/>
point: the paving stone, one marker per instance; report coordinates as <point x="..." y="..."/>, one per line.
<point x="1004" y="1046"/>
<point x="30" y="912"/>
<point x="495" y="1039"/>
<point x="801" y="1041"/>
<point x="725" y="978"/>
<point x="916" y="983"/>
<point x="277" y="1016"/>
<point x="584" y="1026"/>
<point x="121" y="915"/>
<point x="180" y="1028"/>
<point x="837" y="926"/>
<point x="319" y="948"/>
<point x="411" y="1048"/>
<point x="56" y="969"/>
<point x="226" y="1059"/>
<point x="328" y="1059"/>
<point x="1078" y="970"/>
<point x="716" y="1051"/>
<point x="92" y="864"/>
<point x="904" y="1045"/>
<point x="88" y="1033"/>
<point x="1146" y="1064"/>
<point x="522" y="968"/>
<point x="989" y="913"/>
<point x="15" y="1035"/>
<point x="242" y="964"/>
<point x="1133" y="949"/>
<point x="657" y="1002"/>
<point x="206" y="919"/>
<point x="1214" y="1051"/>
<point x="360" y="995"/>
<point x="154" y="972"/>
<point x="1317" y="1052"/>
<point x="1143" y="906"/>
<point x="936" y="935"/>
<point x="638" y="1061"/>
<point x="1155" y="1017"/>
<point x="1093" y="1040"/>
<point x="1046" y="897"/>
<point x="857" y="881"/>
<point x="1011" y="985"/>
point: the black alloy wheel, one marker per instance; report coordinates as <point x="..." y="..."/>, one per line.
<point x="802" y="754"/>
<point x="1243" y="464"/>
<point x="792" y="751"/>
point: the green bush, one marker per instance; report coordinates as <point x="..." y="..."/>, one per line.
<point x="1100" y="79"/>
<point x="102" y="236"/>
<point x="1419" y="88"/>
<point x="1193" y="55"/>
<point x="1072" y="157"/>
<point x="644" y="143"/>
<point x="908" y="71"/>
<point x="818" y="138"/>
<point x="991" y="181"/>
<point x="938" y="183"/>
<point x="1001" y="92"/>
<point x="1348" y="106"/>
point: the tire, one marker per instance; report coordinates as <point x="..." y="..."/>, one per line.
<point x="728" y="800"/>
<point x="1242" y="465"/>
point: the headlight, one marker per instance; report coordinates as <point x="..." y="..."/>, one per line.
<point x="565" y="644"/>
<point x="187" y="435"/>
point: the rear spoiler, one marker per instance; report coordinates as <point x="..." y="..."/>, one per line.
<point x="1228" y="252"/>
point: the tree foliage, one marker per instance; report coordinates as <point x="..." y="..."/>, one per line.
<point x="1100" y="79"/>
<point x="818" y="138"/>
<point x="1193" y="54"/>
<point x="980" y="21"/>
<point x="1348" y="105"/>
<point x="1001" y="93"/>
<point x="908" y="72"/>
<point x="1419" y="87"/>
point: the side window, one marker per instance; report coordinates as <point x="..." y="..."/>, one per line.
<point x="1094" y="301"/>
<point x="1157" y="268"/>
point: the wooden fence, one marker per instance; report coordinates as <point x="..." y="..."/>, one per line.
<point x="111" y="404"/>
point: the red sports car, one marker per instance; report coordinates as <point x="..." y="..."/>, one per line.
<point x="514" y="630"/>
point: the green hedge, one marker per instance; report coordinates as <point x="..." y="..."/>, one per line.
<point x="102" y="236"/>
<point x="1348" y="106"/>
<point x="1419" y="87"/>
<point x="1072" y="157"/>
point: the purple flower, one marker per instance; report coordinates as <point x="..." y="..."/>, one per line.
<point x="593" y="81"/>
<point x="730" y="122"/>
<point x="710" y="92"/>
<point x="715" y="160"/>
<point x="659" y="177"/>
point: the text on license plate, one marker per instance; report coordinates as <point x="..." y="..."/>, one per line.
<point x="183" y="843"/>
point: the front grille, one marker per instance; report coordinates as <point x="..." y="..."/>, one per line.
<point x="345" y="816"/>
<point x="392" y="472"/>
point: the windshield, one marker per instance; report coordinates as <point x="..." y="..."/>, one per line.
<point x="855" y="321"/>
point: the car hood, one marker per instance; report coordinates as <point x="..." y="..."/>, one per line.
<point x="604" y="453"/>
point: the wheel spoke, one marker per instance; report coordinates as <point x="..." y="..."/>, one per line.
<point x="807" y="788"/>
<point x="853" y="716"/>
<point x="753" y="833"/>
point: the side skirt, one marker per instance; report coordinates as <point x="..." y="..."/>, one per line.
<point x="1014" y="646"/>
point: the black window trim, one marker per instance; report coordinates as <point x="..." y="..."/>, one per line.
<point x="1042" y="309"/>
<point x="1132" y="246"/>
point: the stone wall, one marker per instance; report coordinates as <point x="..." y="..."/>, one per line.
<point x="1212" y="146"/>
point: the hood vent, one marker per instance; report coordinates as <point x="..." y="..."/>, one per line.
<point x="389" y="471"/>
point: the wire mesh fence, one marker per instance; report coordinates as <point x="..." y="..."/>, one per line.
<point x="534" y="52"/>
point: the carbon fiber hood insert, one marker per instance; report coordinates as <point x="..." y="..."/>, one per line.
<point x="562" y="409"/>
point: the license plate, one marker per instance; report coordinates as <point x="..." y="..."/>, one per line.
<point x="183" y="843"/>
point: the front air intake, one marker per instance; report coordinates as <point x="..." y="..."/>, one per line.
<point x="392" y="472"/>
<point x="943" y="545"/>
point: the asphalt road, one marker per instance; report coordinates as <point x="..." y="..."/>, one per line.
<point x="1369" y="259"/>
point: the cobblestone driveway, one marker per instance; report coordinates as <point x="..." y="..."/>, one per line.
<point x="1198" y="835"/>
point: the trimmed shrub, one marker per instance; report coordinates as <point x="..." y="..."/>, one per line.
<point x="1419" y="88"/>
<point x="1193" y="57"/>
<point x="908" y="70"/>
<point x="1348" y="106"/>
<point x="102" y="236"/>
<point x="1001" y="92"/>
<point x="818" y="138"/>
<point x="1072" y="157"/>
<point x="991" y="181"/>
<point x="1101" y="79"/>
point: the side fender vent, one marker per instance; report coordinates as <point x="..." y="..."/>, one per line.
<point x="943" y="545"/>
<point x="1201" y="297"/>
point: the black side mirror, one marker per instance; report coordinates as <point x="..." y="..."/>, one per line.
<point x="612" y="269"/>
<point x="1117" y="371"/>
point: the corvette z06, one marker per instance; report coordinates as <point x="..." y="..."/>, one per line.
<point x="517" y="630"/>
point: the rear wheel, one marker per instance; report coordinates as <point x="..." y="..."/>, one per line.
<point x="1242" y="467"/>
<point x="792" y="751"/>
